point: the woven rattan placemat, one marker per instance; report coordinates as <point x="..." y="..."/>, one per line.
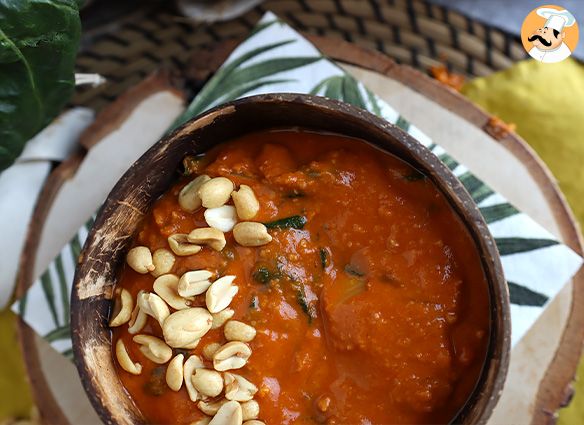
<point x="412" y="32"/>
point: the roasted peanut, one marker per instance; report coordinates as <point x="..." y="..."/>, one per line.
<point x="228" y="414"/>
<point x="216" y="192"/>
<point x="238" y="388"/>
<point x="208" y="236"/>
<point x="220" y="294"/>
<point x="208" y="382"/>
<point x="154" y="306"/>
<point x="140" y="259"/>
<point x="166" y="286"/>
<point x="249" y="233"/>
<point x="233" y="355"/>
<point x="188" y="198"/>
<point x="124" y="359"/>
<point x="192" y="345"/>
<point x="246" y="203"/>
<point x="210" y="349"/>
<point x="153" y="348"/>
<point x="239" y="331"/>
<point x="123" y="305"/>
<point x="180" y="245"/>
<point x="184" y="327"/>
<point x="220" y="318"/>
<point x="163" y="261"/>
<point x="222" y="218"/>
<point x="250" y="410"/>
<point x="139" y="323"/>
<point x="194" y="283"/>
<point x="254" y="422"/>
<point x="211" y="408"/>
<point x="174" y="372"/>
<point x="138" y="317"/>
<point x="192" y="363"/>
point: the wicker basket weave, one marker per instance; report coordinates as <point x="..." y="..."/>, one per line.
<point x="413" y="32"/>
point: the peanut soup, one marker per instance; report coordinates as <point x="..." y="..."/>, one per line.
<point x="293" y="277"/>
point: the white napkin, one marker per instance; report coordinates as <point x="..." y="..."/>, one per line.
<point x="21" y="183"/>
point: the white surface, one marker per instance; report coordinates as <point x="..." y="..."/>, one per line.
<point x="21" y="183"/>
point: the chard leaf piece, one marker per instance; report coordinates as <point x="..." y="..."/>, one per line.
<point x="38" y="46"/>
<point x="293" y="222"/>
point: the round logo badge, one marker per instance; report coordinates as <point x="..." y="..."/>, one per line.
<point x="549" y="34"/>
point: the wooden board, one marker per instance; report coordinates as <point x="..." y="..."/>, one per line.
<point x="542" y="364"/>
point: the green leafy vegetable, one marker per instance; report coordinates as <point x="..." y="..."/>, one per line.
<point x="294" y="222"/>
<point x="323" y="258"/>
<point x="305" y="305"/>
<point x="156" y="384"/>
<point x="38" y="46"/>
<point x="262" y="275"/>
<point x="295" y="194"/>
<point x="354" y="270"/>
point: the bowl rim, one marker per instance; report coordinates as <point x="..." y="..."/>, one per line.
<point x="83" y="296"/>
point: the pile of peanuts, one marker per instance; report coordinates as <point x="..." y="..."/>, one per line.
<point x="186" y="326"/>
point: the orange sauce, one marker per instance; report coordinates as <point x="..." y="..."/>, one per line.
<point x="375" y="312"/>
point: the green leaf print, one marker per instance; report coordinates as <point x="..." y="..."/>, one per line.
<point x="352" y="93"/>
<point x="520" y="295"/>
<point x="477" y="189"/>
<point x="450" y="162"/>
<point x="64" y="288"/>
<point x="246" y="88"/>
<point x="68" y="353"/>
<point x="263" y="26"/>
<point x="257" y="71"/>
<point x="508" y="246"/>
<point x="233" y="80"/>
<point x="22" y="305"/>
<point x="347" y="89"/>
<point x="49" y="292"/>
<point x="374" y="102"/>
<point x="494" y="213"/>
<point x="402" y="123"/>
<point x="60" y="333"/>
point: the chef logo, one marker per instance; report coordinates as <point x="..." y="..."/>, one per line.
<point x="549" y="34"/>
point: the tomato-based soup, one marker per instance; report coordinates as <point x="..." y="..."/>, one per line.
<point x="369" y="303"/>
